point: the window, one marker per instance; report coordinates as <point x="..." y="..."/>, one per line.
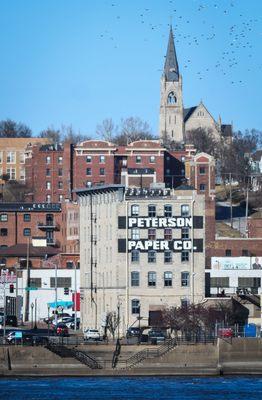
<point x="36" y="282"/>
<point x="171" y="98"/>
<point x="168" y="210"/>
<point x="47" y="172"/>
<point x="3" y="217"/>
<point x="167" y="256"/>
<point x="11" y="173"/>
<point x="134" y="278"/>
<point x="138" y="159"/>
<point x="69" y="265"/>
<point x="202" y="187"/>
<point x="88" y="159"/>
<point x="184" y="255"/>
<point x="151" y="234"/>
<point x="228" y="252"/>
<point x="152" y="159"/>
<point x="62" y="282"/>
<point x="48" y="185"/>
<point x="151" y="210"/>
<point x="101" y="159"/>
<point x="185" y="233"/>
<point x="60" y="198"/>
<point x="3" y="232"/>
<point x="3" y="259"/>
<point x="249" y="282"/>
<point x="168" y="279"/>
<point x="27" y="217"/>
<point x="48" y="159"/>
<point x="88" y="171"/>
<point x="48" y="198"/>
<point x="151" y="279"/>
<point x="135" y="256"/>
<point x="184" y="303"/>
<point x="102" y="171"/>
<point x="10" y="157"/>
<point x="135" y="234"/>
<point x="184" y="210"/>
<point x="245" y="253"/>
<point x="21" y="157"/>
<point x="27" y="232"/>
<point x="60" y="172"/>
<point x="60" y="160"/>
<point x="219" y="282"/>
<point x="202" y="170"/>
<point x="135" y="306"/>
<point x="60" y="185"/>
<point x="151" y="256"/>
<point x="168" y="234"/>
<point x="184" y="278"/>
<point x="22" y="174"/>
<point x="134" y="210"/>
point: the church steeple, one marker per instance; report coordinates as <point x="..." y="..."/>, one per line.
<point x="171" y="70"/>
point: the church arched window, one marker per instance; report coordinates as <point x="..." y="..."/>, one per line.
<point x="171" y="99"/>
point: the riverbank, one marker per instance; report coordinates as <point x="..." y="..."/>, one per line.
<point x="242" y="356"/>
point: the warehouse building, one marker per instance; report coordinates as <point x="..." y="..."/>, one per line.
<point x="140" y="249"/>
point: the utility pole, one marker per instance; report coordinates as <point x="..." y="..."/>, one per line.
<point x="16" y="293"/>
<point x="4" y="333"/>
<point x="75" y="297"/>
<point x="55" y="293"/>
<point x="231" y="209"/>
<point x="27" y="299"/>
<point x="247" y="208"/>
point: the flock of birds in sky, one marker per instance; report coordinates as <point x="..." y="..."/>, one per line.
<point x="237" y="38"/>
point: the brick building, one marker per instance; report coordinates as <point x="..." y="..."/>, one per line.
<point x="23" y="222"/>
<point x="49" y="172"/>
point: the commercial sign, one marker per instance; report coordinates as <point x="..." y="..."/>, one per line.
<point x="160" y="245"/>
<point x="236" y="263"/>
<point x="159" y="222"/>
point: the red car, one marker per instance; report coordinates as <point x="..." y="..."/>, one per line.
<point x="61" y="330"/>
<point x="225" y="333"/>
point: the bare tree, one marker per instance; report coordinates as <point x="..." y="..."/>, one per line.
<point x="132" y="129"/>
<point x="53" y="134"/>
<point x="12" y="129"/>
<point x="107" y="129"/>
<point x="203" y="140"/>
<point x="112" y="322"/>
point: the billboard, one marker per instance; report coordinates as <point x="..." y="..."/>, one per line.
<point x="236" y="263"/>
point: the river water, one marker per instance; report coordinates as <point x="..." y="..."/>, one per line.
<point x="140" y="388"/>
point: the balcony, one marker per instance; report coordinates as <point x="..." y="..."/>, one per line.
<point x="49" y="225"/>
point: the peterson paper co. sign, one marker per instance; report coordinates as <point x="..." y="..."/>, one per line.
<point x="159" y="222"/>
<point x="160" y="245"/>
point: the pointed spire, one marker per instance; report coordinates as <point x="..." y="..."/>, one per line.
<point x="171" y="70"/>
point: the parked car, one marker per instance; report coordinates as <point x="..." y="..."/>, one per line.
<point x="52" y="317"/>
<point x="72" y="324"/>
<point x="133" y="332"/>
<point x="26" y="338"/>
<point x="91" y="334"/>
<point x="225" y="332"/>
<point x="155" y="336"/>
<point x="61" y="330"/>
<point x="9" y="320"/>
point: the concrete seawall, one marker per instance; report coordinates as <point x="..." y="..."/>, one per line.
<point x="241" y="356"/>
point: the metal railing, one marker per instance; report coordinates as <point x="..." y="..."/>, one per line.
<point x="66" y="352"/>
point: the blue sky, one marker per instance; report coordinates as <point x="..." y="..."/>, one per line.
<point x="78" y="62"/>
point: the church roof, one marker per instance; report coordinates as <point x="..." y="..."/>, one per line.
<point x="171" y="70"/>
<point x="188" y="112"/>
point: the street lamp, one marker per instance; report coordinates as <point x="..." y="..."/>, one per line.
<point x="32" y="315"/>
<point x="35" y="326"/>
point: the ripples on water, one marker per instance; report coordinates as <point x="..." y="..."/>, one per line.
<point x="142" y="388"/>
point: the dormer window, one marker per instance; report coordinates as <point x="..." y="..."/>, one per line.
<point x="171" y="99"/>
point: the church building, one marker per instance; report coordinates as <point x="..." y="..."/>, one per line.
<point x="175" y="120"/>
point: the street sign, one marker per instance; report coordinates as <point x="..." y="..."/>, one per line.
<point x="31" y="288"/>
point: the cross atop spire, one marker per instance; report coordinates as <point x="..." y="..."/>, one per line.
<point x="171" y="70"/>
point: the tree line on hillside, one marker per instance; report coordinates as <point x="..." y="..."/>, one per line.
<point x="232" y="157"/>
